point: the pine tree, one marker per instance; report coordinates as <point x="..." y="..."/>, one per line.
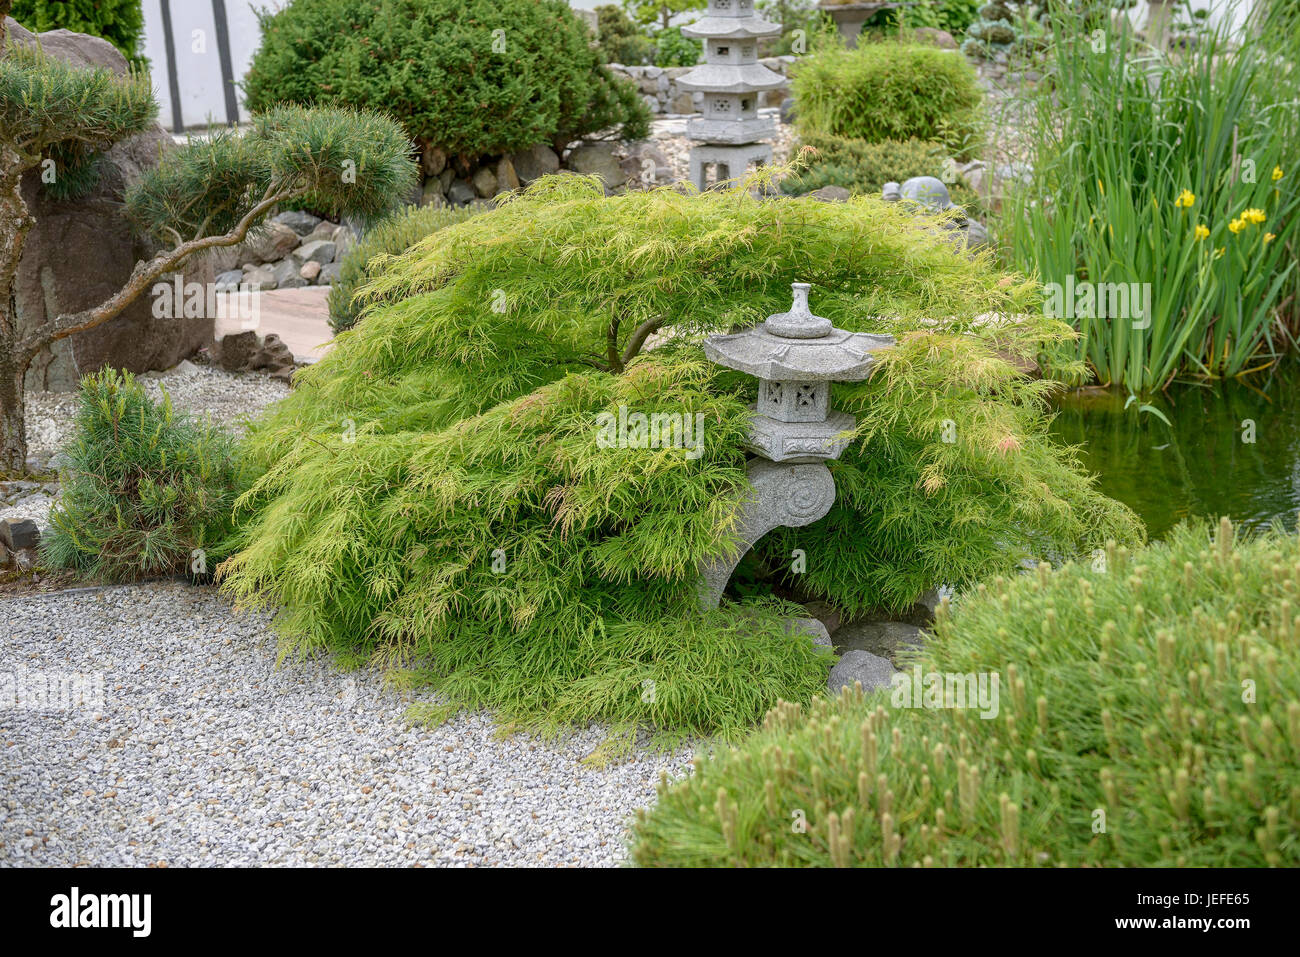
<point x="205" y="195"/>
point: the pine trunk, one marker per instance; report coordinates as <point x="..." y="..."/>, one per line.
<point x="13" y="435"/>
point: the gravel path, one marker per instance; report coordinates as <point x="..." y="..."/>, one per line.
<point x="203" y="753"/>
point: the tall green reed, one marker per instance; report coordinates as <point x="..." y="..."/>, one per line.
<point x="1175" y="170"/>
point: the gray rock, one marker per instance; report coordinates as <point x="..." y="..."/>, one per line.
<point x="286" y="275"/>
<point x="269" y="244"/>
<point x="460" y="192"/>
<point x="431" y="195"/>
<point x="433" y="160"/>
<point x="534" y="163"/>
<point x="18" y="533"/>
<point x="317" y="251"/>
<point x="787" y="110"/>
<point x="229" y="280"/>
<point x="324" y="230"/>
<point x="886" y="639"/>
<point x="299" y="221"/>
<point x="811" y="627"/>
<point x="485" y="182"/>
<point x="329" y="274"/>
<point x="828" y="194"/>
<point x="597" y="159"/>
<point x="260" y="277"/>
<point x="507" y="178"/>
<point x="860" y="666"/>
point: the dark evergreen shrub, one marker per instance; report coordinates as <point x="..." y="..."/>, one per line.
<point x="472" y="77"/>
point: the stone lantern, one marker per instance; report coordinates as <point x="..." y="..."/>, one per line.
<point x="796" y="356"/>
<point x="731" y="79"/>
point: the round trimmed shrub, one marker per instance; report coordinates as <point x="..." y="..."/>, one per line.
<point x="891" y="91"/>
<point x="388" y="237"/>
<point x="1148" y="714"/>
<point x="471" y="77"/>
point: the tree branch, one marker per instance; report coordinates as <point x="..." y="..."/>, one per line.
<point x="611" y="342"/>
<point x="639" y="336"/>
<point x="145" y="273"/>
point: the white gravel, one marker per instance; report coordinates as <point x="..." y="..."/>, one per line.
<point x="203" y="753"/>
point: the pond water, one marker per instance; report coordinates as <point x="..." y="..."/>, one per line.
<point x="1229" y="449"/>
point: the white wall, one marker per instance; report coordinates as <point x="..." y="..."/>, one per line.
<point x="197" y="61"/>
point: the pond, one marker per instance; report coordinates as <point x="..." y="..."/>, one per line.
<point x="1228" y="449"/>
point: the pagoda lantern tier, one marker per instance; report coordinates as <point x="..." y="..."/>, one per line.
<point x="729" y="131"/>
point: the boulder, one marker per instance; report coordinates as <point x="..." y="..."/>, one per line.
<point x="431" y="195"/>
<point x="317" y="251"/>
<point x="269" y="244"/>
<point x="936" y="37"/>
<point x="860" y="666"/>
<point x="682" y="103"/>
<point x="460" y="192"/>
<point x="507" y="178"/>
<point x="828" y="194"/>
<point x="299" y="221"/>
<point x="310" y="270"/>
<point x="260" y="277"/>
<point x="286" y="275"/>
<point x="597" y="159"/>
<point x="329" y="274"/>
<point x="324" y="230"/>
<point x="82" y="251"/>
<point x="534" y="163"/>
<point x="235" y="352"/>
<point x="19" y="533"/>
<point x="433" y="160"/>
<point x="485" y="182"/>
<point x="227" y="281"/>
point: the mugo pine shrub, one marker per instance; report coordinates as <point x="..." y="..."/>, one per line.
<point x="890" y="91"/>
<point x="436" y="495"/>
<point x="471" y="77"/>
<point x="144" y="487"/>
<point x="388" y="237"/>
<point x="1148" y="714"/>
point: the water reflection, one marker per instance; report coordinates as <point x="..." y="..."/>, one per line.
<point x="1230" y="449"/>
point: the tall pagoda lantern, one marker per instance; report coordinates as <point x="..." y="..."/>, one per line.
<point x="729" y="134"/>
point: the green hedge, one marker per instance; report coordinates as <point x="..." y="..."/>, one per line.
<point x="472" y="77"/>
<point x="120" y="22"/>
<point x="891" y="91"/>
<point x="1148" y="715"/>
<point x="389" y="237"/>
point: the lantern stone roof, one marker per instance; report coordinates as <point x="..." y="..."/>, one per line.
<point x="798" y="346"/>
<point x="730" y="78"/>
<point x="731" y="28"/>
<point x="839" y="356"/>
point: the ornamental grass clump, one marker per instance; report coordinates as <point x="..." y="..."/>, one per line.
<point x="1173" y="175"/>
<point x="1147" y="714"/>
<point x="146" y="491"/>
<point x="440" y="493"/>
